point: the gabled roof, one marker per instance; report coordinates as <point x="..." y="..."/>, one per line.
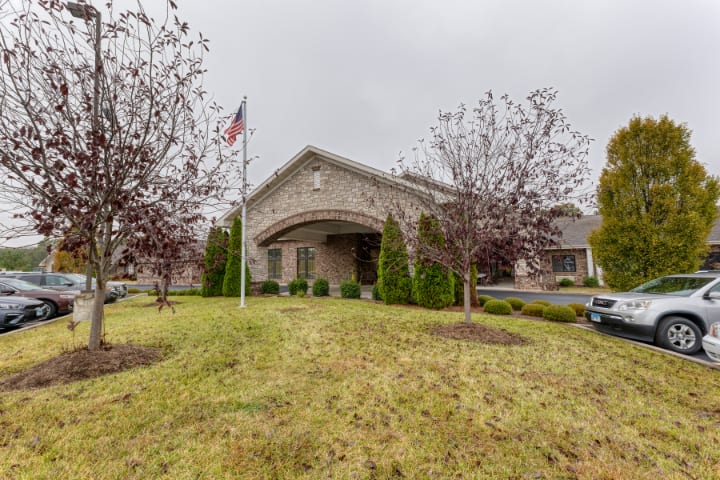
<point x="575" y="232"/>
<point x="298" y="161"/>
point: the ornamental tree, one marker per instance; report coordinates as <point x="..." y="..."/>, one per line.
<point x="492" y="176"/>
<point x="658" y="204"/>
<point x="107" y="137"/>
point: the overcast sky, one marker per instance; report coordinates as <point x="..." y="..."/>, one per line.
<point x="366" y="79"/>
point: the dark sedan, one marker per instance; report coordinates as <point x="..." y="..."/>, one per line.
<point x="16" y="311"/>
<point x="59" y="303"/>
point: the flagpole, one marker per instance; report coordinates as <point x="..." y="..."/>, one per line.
<point x="244" y="202"/>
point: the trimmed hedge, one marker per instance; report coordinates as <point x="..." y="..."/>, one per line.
<point x="350" y="289"/>
<point x="579" y="309"/>
<point x="515" y="303"/>
<point x="533" y="309"/>
<point x="188" y="292"/>
<point x="566" y="282"/>
<point x="497" y="307"/>
<point x="270" y="287"/>
<point x="321" y="288"/>
<point x="560" y="313"/>
<point x="542" y="302"/>
<point x="298" y="285"/>
<point x="484" y="298"/>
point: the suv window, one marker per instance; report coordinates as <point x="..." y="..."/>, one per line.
<point x="57" y="280"/>
<point x="31" y="278"/>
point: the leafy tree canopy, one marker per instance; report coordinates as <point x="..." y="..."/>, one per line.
<point x="658" y="204"/>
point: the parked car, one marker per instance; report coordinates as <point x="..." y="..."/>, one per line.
<point x="69" y="282"/>
<point x="59" y="303"/>
<point x="16" y="311"/>
<point x="120" y="288"/>
<point x="673" y="311"/>
<point x="711" y="342"/>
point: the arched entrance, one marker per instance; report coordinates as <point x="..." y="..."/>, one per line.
<point x="333" y="244"/>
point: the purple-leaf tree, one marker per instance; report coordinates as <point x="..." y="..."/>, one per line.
<point x="107" y="138"/>
<point x="493" y="177"/>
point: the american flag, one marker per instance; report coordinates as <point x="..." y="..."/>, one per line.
<point x="236" y="126"/>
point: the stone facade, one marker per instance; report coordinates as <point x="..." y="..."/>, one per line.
<point x="312" y="188"/>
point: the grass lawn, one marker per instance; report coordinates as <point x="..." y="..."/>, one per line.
<point x="310" y="388"/>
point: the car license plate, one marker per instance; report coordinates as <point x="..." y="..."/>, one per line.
<point x="594" y="317"/>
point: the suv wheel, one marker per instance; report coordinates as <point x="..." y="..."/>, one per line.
<point x="679" y="335"/>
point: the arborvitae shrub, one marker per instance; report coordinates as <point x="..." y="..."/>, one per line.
<point x="484" y="298"/>
<point x="566" y="282"/>
<point x="433" y="284"/>
<point x="321" y="288"/>
<point x="349" y="289"/>
<point x="270" y="287"/>
<point x="515" y="303"/>
<point x="591" y="282"/>
<point x="215" y="262"/>
<point x="542" y="302"/>
<point x="376" y="292"/>
<point x="497" y="307"/>
<point x="560" y="313"/>
<point x="298" y="285"/>
<point x="579" y="309"/>
<point x="394" y="283"/>
<point x="533" y="309"/>
<point x="233" y="269"/>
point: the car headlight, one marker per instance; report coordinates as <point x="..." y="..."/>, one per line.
<point x="634" y="305"/>
<point x="10" y="306"/>
<point x="715" y="330"/>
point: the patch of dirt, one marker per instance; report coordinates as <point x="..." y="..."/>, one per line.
<point x="81" y="364"/>
<point x="477" y="332"/>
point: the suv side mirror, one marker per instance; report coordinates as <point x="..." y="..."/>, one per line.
<point x="7" y="291"/>
<point x="714" y="295"/>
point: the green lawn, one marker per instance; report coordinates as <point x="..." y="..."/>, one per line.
<point x="326" y="388"/>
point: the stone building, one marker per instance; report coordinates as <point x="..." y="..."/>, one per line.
<point x="321" y="216"/>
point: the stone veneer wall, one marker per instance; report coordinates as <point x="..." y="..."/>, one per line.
<point x="525" y="281"/>
<point x="334" y="260"/>
<point x="340" y="189"/>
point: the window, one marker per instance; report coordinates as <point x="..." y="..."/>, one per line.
<point x="274" y="264"/>
<point x="316" y="179"/>
<point x="306" y="262"/>
<point x="563" y="263"/>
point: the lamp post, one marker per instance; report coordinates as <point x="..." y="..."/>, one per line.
<point x="86" y="12"/>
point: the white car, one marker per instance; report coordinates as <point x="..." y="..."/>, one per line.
<point x="711" y="342"/>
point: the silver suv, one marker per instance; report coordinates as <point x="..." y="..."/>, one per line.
<point x="673" y="312"/>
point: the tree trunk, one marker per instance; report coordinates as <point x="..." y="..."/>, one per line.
<point x="96" y="323"/>
<point x="466" y="297"/>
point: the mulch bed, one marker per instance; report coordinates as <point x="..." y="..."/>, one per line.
<point x="81" y="364"/>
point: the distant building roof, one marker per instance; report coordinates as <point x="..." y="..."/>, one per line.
<point x="575" y="232"/>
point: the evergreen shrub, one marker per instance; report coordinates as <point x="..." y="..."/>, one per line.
<point x="394" y="283"/>
<point x="298" y="285"/>
<point x="233" y="269"/>
<point x="579" y="309"/>
<point x="321" y="288"/>
<point x="566" y="282"/>
<point x="433" y="284"/>
<point x="542" y="302"/>
<point x="484" y="298"/>
<point x="350" y="289"/>
<point x="270" y="287"/>
<point x="376" y="292"/>
<point x="560" y="313"/>
<point x="515" y="303"/>
<point x="591" y="282"/>
<point x="497" y="307"/>
<point x="533" y="309"/>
